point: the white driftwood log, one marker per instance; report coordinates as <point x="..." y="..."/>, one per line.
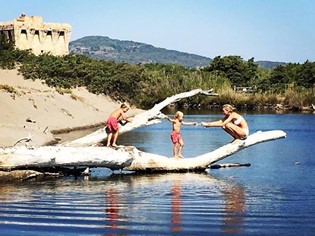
<point x="52" y="156"/>
<point x="151" y="162"/>
<point x="149" y="117"/>
<point x="128" y="158"/>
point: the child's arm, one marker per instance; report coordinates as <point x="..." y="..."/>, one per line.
<point x="189" y="123"/>
<point x="124" y="117"/>
<point x="129" y="119"/>
<point x="125" y="121"/>
<point x="170" y="119"/>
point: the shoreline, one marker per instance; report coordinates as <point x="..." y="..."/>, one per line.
<point x="70" y="134"/>
<point x="78" y="128"/>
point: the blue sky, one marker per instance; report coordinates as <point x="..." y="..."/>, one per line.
<point x="274" y="30"/>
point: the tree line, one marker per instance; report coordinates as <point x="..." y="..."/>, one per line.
<point x="146" y="84"/>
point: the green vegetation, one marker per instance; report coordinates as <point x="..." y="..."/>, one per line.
<point x="8" y="88"/>
<point x="146" y="84"/>
<point x="9" y="57"/>
<point x="108" y="49"/>
<point x="63" y="90"/>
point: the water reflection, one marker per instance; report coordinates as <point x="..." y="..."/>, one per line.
<point x="208" y="187"/>
<point x="128" y="204"/>
<point x="234" y="205"/>
<point x="176" y="204"/>
<point x="111" y="210"/>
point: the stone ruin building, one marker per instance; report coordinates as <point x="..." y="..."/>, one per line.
<point x="31" y="33"/>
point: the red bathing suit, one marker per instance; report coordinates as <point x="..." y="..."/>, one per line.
<point x="112" y="124"/>
<point x="175" y="137"/>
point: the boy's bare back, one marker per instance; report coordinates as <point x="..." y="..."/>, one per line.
<point x="117" y="113"/>
<point x="120" y="112"/>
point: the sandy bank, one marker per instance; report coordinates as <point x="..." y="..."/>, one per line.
<point x="35" y="109"/>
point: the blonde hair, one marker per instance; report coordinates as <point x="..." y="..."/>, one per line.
<point x="179" y="114"/>
<point x="228" y="107"/>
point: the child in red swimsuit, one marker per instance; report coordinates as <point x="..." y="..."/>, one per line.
<point x="112" y="124"/>
<point x="176" y="138"/>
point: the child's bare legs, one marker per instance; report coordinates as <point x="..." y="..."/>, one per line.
<point x="180" y="148"/>
<point x="109" y="138"/>
<point x="115" y="139"/>
<point x="177" y="149"/>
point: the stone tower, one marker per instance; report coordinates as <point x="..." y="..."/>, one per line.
<point x="31" y="33"/>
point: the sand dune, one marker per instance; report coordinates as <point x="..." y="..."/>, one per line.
<point x="35" y="109"/>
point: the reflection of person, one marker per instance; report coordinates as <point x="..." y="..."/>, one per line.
<point x="112" y="123"/>
<point x="234" y="207"/>
<point x="176" y="138"/>
<point x="232" y="122"/>
<point x="176" y="205"/>
<point x="112" y="207"/>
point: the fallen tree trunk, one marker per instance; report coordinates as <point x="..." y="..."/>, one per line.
<point x="149" y="117"/>
<point x="128" y="158"/>
<point x="52" y="156"/>
<point x="145" y="162"/>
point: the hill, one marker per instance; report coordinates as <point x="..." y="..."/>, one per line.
<point x="105" y="48"/>
<point x="269" y="64"/>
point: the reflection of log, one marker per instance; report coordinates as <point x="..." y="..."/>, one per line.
<point x="18" y="175"/>
<point x="145" y="118"/>
<point x="50" y="156"/>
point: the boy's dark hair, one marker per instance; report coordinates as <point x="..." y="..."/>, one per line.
<point x="124" y="105"/>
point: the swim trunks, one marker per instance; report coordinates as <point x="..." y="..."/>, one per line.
<point x="175" y="137"/>
<point x="112" y="124"/>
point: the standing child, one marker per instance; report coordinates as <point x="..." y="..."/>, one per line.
<point x="112" y="123"/>
<point x="232" y="123"/>
<point x="176" y="138"/>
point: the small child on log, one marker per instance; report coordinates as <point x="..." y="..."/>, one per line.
<point x="112" y="128"/>
<point x="232" y="123"/>
<point x="178" y="142"/>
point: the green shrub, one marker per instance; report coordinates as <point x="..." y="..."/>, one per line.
<point x="8" y="88"/>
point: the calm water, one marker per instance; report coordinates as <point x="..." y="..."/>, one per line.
<point x="274" y="196"/>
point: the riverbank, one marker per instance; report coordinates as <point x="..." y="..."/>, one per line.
<point x="32" y="109"/>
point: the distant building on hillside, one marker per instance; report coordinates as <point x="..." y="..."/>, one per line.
<point x="31" y="33"/>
